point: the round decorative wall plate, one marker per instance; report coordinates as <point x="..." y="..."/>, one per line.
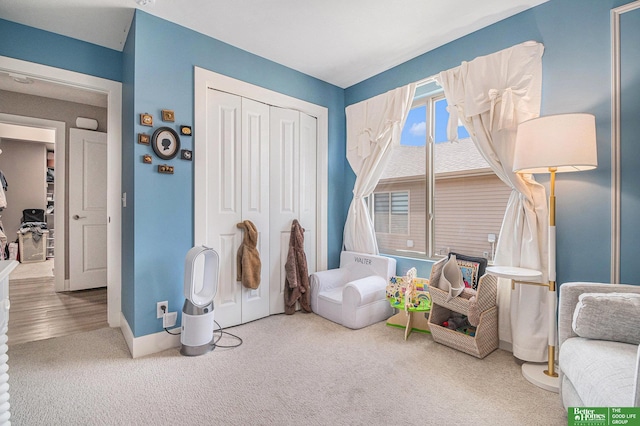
<point x="165" y="143"/>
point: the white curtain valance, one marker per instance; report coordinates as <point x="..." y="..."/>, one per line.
<point x="510" y="78"/>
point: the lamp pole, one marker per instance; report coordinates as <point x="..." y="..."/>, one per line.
<point x="551" y="295"/>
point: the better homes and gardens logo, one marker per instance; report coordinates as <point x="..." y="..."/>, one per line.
<point x="603" y="416"/>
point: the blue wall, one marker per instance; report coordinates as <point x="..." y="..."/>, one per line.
<point x="576" y="78"/>
<point x="43" y="47"/>
<point x="164" y="55"/>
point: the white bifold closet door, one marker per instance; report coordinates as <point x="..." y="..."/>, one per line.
<point x="256" y="169"/>
<point x="292" y="192"/>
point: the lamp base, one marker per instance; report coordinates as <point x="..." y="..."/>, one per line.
<point x="534" y="373"/>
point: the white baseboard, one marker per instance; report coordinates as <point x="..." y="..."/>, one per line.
<point x="149" y="344"/>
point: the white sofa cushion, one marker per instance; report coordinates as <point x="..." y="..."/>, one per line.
<point x="602" y="372"/>
<point x="608" y="316"/>
<point x="330" y="304"/>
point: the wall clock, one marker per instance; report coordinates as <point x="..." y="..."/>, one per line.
<point x="165" y="143"/>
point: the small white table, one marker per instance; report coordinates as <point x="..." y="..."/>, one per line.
<point x="533" y="372"/>
<point x="515" y="273"/>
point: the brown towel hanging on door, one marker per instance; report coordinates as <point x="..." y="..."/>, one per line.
<point x="248" y="259"/>
<point x="296" y="285"/>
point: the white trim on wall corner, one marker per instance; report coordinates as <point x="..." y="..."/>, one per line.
<point x="150" y="343"/>
<point x="615" y="136"/>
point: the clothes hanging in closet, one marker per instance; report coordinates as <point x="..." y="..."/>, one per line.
<point x="3" y="188"/>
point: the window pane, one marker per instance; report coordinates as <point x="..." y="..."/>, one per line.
<point x="399" y="213"/>
<point x="442" y="119"/>
<point x="469" y="200"/>
<point x="405" y="179"/>
<point x="399" y="203"/>
<point x="381" y="212"/>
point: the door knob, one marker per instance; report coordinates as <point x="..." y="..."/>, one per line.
<point x="76" y="217"/>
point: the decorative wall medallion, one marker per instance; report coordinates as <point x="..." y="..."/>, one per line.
<point x="165" y="143"/>
<point x="144" y="138"/>
<point x="165" y="168"/>
<point x="147" y="159"/>
<point x="185" y="130"/>
<point x="185" y="154"/>
<point x="146" y="119"/>
<point x="168" y="115"/>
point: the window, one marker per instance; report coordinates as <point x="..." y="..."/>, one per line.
<point x="435" y="195"/>
<point x="391" y="212"/>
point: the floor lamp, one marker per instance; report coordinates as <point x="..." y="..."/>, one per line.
<point x="555" y="144"/>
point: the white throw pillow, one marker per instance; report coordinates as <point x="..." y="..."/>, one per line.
<point x="451" y="278"/>
<point x="608" y="316"/>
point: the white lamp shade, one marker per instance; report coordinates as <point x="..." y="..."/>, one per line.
<point x="566" y="142"/>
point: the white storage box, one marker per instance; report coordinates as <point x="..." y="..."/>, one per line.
<point x="32" y="250"/>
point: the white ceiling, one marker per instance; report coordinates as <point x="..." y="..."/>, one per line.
<point x="338" y="41"/>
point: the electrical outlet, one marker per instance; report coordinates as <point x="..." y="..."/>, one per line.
<point x="159" y="311"/>
<point x="169" y="319"/>
<point x="485" y="254"/>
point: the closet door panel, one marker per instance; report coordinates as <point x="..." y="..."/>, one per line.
<point x="308" y="187"/>
<point x="284" y="200"/>
<point x="227" y="301"/>
<point x="224" y="206"/>
<point x="255" y="199"/>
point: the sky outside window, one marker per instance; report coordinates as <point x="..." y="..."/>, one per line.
<point x="414" y="132"/>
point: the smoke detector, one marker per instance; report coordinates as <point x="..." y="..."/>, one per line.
<point x="22" y="79"/>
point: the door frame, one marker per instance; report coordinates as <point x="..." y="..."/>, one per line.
<point x="113" y="90"/>
<point x="205" y="80"/>
<point x="616" y="172"/>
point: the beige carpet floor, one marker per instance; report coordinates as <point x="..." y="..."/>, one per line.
<point x="290" y="370"/>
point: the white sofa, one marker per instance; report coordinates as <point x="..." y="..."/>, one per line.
<point x="599" y="369"/>
<point x="353" y="295"/>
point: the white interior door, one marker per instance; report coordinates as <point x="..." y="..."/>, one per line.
<point x="293" y="192"/>
<point x="87" y="209"/>
<point x="224" y="161"/>
<point x="255" y="199"/>
<point x="284" y="195"/>
<point x="258" y="164"/>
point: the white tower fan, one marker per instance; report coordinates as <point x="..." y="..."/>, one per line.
<point x="200" y="286"/>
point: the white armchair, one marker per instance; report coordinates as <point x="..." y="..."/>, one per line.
<point x="354" y="295"/>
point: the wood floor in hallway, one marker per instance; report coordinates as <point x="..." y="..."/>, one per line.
<point x="37" y="312"/>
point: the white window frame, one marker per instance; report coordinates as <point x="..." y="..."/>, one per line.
<point x="428" y="100"/>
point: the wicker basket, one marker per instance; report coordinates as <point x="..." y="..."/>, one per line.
<point x="482" y="344"/>
<point x="485" y="340"/>
<point x="485" y="296"/>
